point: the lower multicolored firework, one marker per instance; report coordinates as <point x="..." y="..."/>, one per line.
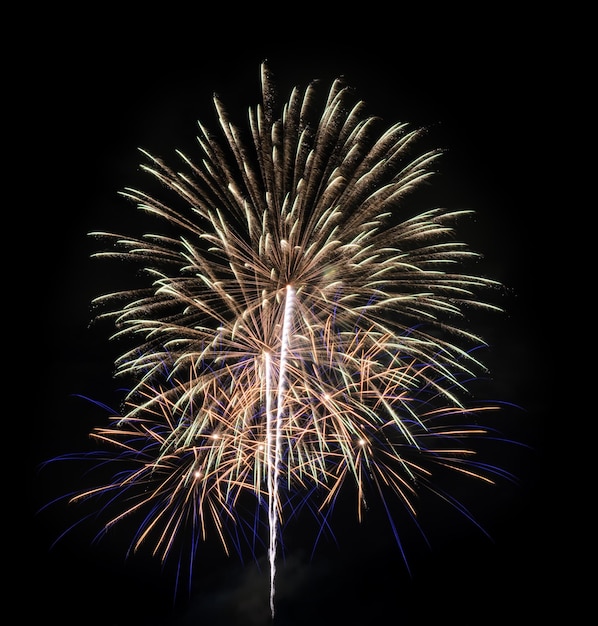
<point x="299" y="332"/>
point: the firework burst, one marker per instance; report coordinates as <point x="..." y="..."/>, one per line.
<point x="298" y="331"/>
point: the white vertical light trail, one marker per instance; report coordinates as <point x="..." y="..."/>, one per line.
<point x="274" y="436"/>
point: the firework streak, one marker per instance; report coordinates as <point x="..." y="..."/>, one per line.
<point x="297" y="330"/>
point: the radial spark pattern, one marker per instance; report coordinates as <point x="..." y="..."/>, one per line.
<point x="298" y="331"/>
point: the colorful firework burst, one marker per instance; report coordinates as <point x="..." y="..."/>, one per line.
<point x="298" y="332"/>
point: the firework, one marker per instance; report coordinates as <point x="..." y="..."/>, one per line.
<point x="297" y="332"/>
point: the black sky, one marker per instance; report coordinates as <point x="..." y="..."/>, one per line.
<point x="98" y="91"/>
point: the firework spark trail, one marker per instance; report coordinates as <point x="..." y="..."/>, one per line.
<point x="274" y="431"/>
<point x="273" y="470"/>
<point x="297" y="329"/>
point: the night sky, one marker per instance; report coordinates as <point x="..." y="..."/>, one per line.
<point x="97" y="94"/>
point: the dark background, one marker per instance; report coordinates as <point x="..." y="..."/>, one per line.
<point x="101" y="85"/>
